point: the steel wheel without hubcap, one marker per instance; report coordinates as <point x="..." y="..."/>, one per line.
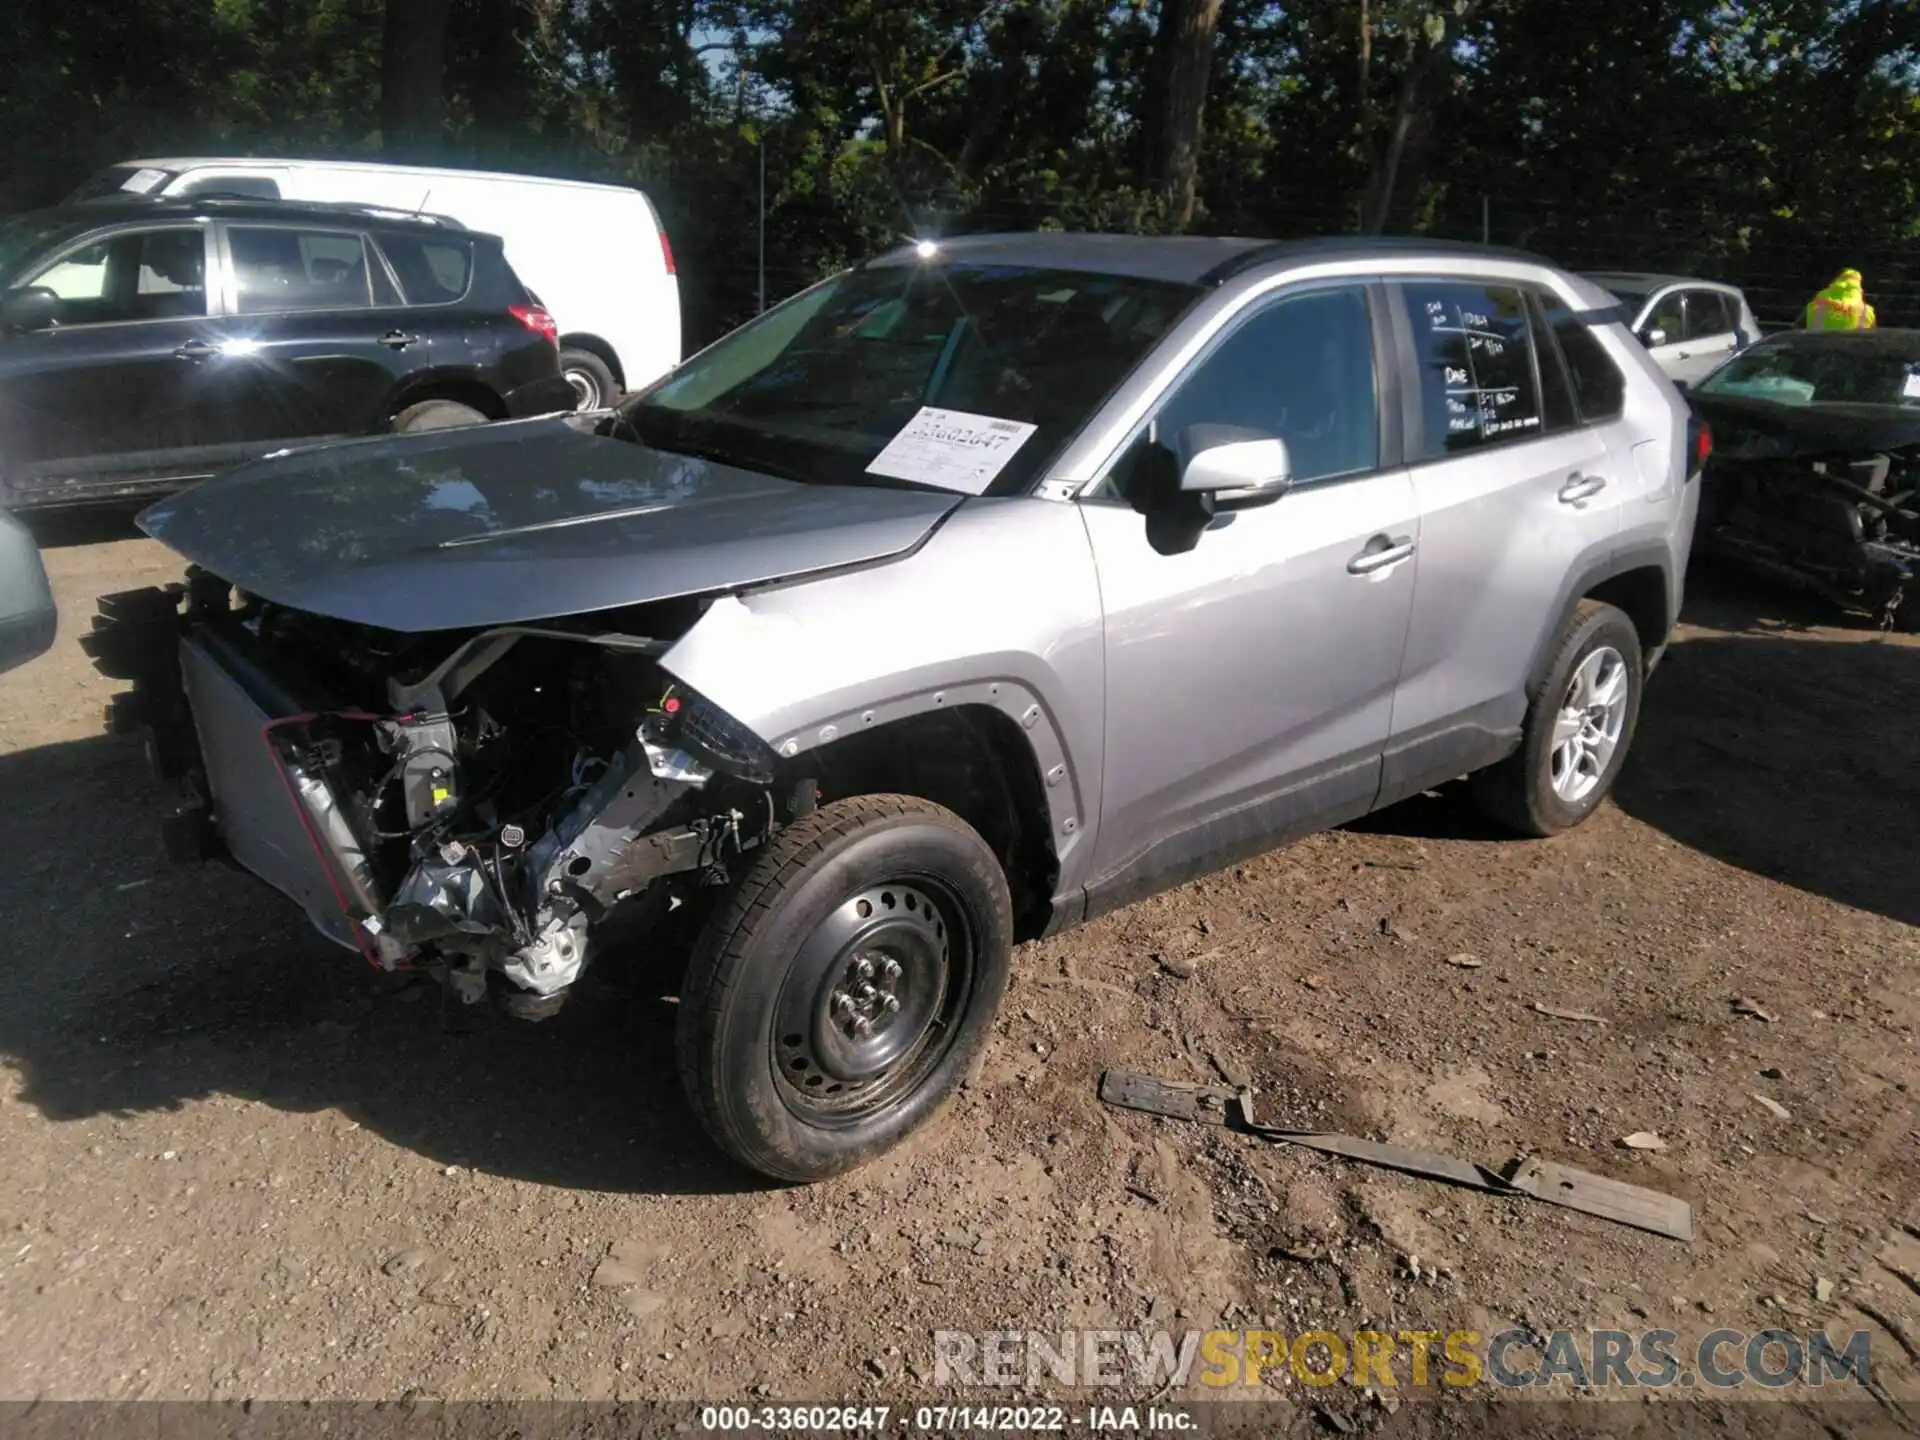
<point x="586" y="390"/>
<point x="870" y="1006"/>
<point x="1586" y="733"/>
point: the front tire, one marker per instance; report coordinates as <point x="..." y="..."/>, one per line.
<point x="837" y="999"/>
<point x="1579" y="725"/>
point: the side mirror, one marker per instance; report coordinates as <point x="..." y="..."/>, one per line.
<point x="1653" y="336"/>
<point x="1234" y="468"/>
<point x="34" y="307"/>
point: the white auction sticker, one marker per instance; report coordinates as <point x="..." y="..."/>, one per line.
<point x="141" y="181"/>
<point x="1911" y="389"/>
<point x="951" y="449"/>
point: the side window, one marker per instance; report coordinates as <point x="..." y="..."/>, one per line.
<point x="1599" y="389"/>
<point x="147" y="275"/>
<point x="1300" y="370"/>
<point x="278" y="270"/>
<point x="432" y="270"/>
<point x="80" y="275"/>
<point x="1706" y="315"/>
<point x="1474" y="350"/>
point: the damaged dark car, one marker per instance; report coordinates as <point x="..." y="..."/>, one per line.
<point x="1815" y="473"/>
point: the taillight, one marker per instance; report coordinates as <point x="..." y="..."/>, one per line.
<point x="666" y="252"/>
<point x="1702" y="445"/>
<point x="536" y="319"/>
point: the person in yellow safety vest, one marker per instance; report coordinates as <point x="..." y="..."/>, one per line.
<point x="1841" y="306"/>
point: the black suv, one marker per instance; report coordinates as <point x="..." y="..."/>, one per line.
<point x="148" y="344"/>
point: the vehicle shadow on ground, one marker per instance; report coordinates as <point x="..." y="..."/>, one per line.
<point x="1795" y="759"/>
<point x="134" y="985"/>
<point x="1721" y="596"/>
<point x="84" y="525"/>
<point x="1792" y="759"/>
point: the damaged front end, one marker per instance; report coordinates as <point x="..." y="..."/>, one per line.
<point x="483" y="803"/>
<point x="1842" y="521"/>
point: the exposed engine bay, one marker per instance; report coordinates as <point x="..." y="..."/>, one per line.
<point x="476" y="802"/>
<point x="1842" y="522"/>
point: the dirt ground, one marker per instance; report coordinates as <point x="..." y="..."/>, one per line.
<point x="236" y="1164"/>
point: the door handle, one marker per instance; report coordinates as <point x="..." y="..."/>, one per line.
<point x="1381" y="552"/>
<point x="1581" y="488"/>
<point x="196" y="350"/>
<point x="398" y="339"/>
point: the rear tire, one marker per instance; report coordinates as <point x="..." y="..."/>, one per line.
<point x="434" y="415"/>
<point x="1580" y="722"/>
<point x="838" y="997"/>
<point x="591" y="378"/>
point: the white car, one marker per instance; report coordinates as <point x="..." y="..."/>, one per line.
<point x="597" y="256"/>
<point x="1689" y="326"/>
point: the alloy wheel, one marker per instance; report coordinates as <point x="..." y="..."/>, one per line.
<point x="1586" y="732"/>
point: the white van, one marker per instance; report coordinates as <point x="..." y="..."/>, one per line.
<point x="596" y="255"/>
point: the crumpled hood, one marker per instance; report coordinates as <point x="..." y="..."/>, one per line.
<point x="510" y="523"/>
<point x="1810" y="430"/>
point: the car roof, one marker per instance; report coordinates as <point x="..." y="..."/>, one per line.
<point x="114" y="209"/>
<point x="1186" y="259"/>
<point x="177" y="164"/>
<point x="1645" y="282"/>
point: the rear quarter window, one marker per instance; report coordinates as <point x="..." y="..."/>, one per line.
<point x="1599" y="389"/>
<point x="431" y="269"/>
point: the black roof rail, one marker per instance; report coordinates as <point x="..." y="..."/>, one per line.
<point x="228" y="203"/>
<point x="1360" y="246"/>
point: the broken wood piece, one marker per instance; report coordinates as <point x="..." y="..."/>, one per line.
<point x="1559" y="1014"/>
<point x="1170" y="1099"/>
<point x="1614" y="1200"/>
<point x="1539" y="1179"/>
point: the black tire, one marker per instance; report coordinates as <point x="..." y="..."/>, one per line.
<point x="434" y="415"/>
<point x="773" y="1090"/>
<point x="591" y="378"/>
<point x="1519" y="792"/>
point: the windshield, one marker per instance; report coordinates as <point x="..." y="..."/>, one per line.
<point x="24" y="237"/>
<point x="1792" y="371"/>
<point x="943" y="375"/>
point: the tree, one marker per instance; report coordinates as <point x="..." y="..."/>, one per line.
<point x="1430" y="32"/>
<point x="1765" y="142"/>
<point x="413" y="63"/>
<point x="1185" y="61"/>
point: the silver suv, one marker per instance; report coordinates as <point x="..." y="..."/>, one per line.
<point x="963" y="597"/>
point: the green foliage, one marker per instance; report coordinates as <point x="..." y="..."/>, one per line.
<point x="1768" y="140"/>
